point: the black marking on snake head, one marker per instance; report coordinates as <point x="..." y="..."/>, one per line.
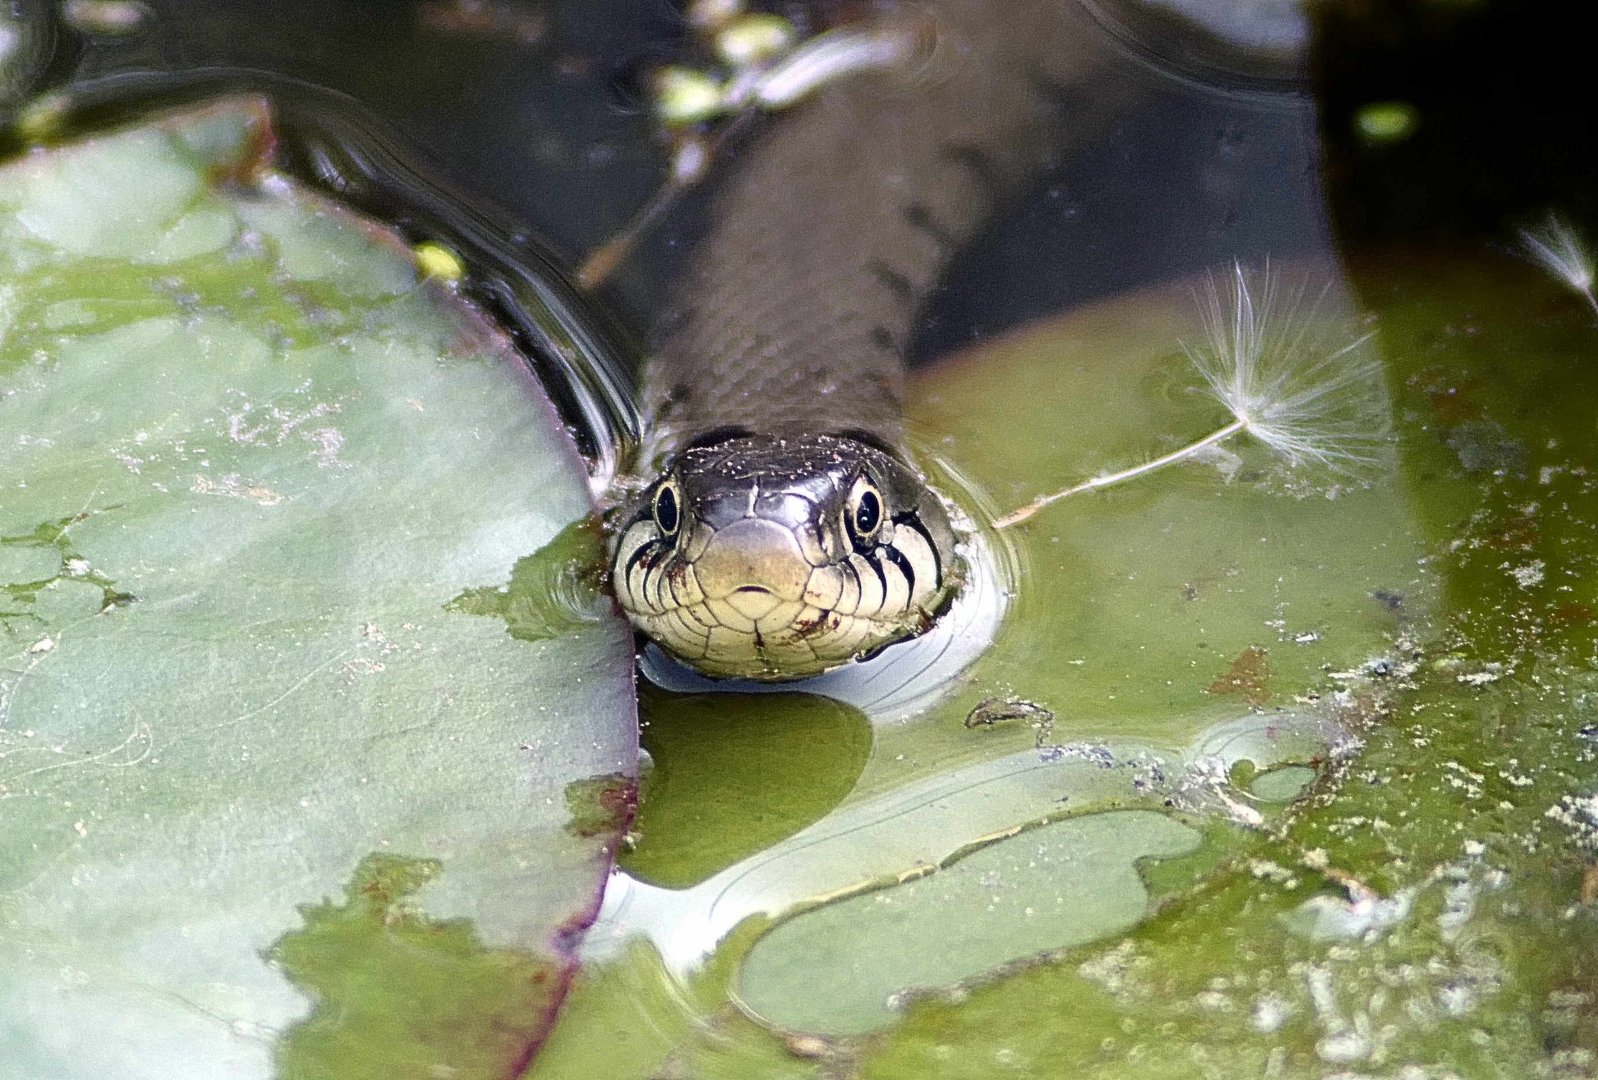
<point x="919" y="215"/>
<point x="881" y="577"/>
<point x="896" y="557"/>
<point x="896" y="283"/>
<point x="911" y="521"/>
<point x="882" y="338"/>
<point x="979" y="163"/>
<point x="646" y="550"/>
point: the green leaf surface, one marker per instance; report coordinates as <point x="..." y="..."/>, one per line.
<point x="1051" y="887"/>
<point x="248" y="462"/>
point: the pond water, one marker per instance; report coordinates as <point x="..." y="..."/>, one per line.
<point x="1241" y="768"/>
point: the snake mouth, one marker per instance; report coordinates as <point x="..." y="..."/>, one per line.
<point x="754" y="631"/>
<point x="785" y="640"/>
<point x="754" y="601"/>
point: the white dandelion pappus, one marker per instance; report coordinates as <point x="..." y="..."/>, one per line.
<point x="1277" y="367"/>
<point x="1555" y="247"/>
<point x="1288" y="375"/>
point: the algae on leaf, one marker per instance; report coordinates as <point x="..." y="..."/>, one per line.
<point x="248" y="463"/>
<point x="386" y="972"/>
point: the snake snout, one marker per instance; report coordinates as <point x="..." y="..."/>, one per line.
<point x="751" y="559"/>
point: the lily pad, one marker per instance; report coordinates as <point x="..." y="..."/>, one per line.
<point x="250" y="742"/>
<point x="1058" y="885"/>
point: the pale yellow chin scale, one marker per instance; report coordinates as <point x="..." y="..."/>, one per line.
<point x="759" y="600"/>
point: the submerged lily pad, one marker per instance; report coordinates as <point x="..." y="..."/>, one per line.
<point x="707" y="803"/>
<point x="1058" y="885"/>
<point x="249" y="462"/>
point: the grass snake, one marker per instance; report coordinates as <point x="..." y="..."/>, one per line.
<point x="787" y="530"/>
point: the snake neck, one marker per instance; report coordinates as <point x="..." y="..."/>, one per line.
<point x="834" y="224"/>
<point x="787" y="534"/>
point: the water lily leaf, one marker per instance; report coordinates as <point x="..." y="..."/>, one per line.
<point x="1047" y="888"/>
<point x="274" y="799"/>
<point x="1196" y="590"/>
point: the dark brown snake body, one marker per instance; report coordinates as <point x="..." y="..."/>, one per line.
<point x="788" y="532"/>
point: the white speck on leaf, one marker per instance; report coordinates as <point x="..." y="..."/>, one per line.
<point x="232" y="485"/>
<point x="1529" y="575"/>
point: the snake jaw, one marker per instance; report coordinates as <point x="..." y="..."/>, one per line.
<point x="760" y="575"/>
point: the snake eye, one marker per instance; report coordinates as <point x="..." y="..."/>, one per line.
<point x="863" y="516"/>
<point x="668" y="512"/>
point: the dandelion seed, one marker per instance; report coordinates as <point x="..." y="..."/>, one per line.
<point x="1279" y="370"/>
<point x="1277" y="367"/>
<point x="1557" y="249"/>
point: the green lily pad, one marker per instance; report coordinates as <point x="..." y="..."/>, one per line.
<point x="1058" y="885"/>
<point x="253" y="753"/>
<point x="1193" y="591"/>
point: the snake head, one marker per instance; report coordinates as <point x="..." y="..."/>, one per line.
<point x="778" y="558"/>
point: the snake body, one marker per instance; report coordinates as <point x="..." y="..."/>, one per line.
<point x="787" y="532"/>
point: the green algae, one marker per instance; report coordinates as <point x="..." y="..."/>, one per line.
<point x="401" y="995"/>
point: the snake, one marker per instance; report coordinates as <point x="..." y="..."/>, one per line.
<point x="786" y="529"/>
